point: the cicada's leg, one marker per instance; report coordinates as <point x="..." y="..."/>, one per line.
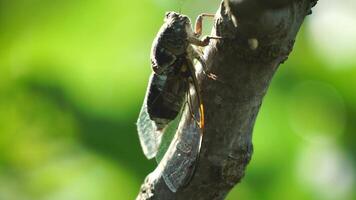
<point x="194" y="38"/>
<point x="199" y="23"/>
<point x="202" y="42"/>
<point x="196" y="54"/>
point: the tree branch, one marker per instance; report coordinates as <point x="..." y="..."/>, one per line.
<point x="245" y="61"/>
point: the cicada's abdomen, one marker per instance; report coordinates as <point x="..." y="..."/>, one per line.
<point x="165" y="98"/>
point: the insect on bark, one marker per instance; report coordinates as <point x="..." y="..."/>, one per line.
<point x="172" y="62"/>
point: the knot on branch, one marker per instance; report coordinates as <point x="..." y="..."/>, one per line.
<point x="233" y="168"/>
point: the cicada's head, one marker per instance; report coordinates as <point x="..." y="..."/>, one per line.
<point x="177" y="18"/>
<point x="179" y="22"/>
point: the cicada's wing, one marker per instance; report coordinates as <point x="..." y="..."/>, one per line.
<point x="182" y="156"/>
<point x="163" y="101"/>
<point x="183" y="152"/>
<point x="150" y="137"/>
<point x="167" y="137"/>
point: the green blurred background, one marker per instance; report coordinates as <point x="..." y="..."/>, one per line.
<point x="73" y="74"/>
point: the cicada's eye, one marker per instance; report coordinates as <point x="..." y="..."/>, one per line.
<point x="167" y="14"/>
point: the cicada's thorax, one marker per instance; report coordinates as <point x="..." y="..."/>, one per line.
<point x="170" y="45"/>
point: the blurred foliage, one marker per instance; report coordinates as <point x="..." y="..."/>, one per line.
<point x="72" y="79"/>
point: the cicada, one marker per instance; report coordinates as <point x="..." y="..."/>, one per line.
<point x="174" y="50"/>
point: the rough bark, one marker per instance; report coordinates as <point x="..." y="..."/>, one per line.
<point x="245" y="60"/>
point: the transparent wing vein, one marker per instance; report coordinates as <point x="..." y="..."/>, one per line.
<point x="150" y="138"/>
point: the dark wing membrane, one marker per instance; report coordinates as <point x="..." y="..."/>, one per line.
<point x="165" y="98"/>
<point x="150" y="137"/>
<point x="161" y="99"/>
